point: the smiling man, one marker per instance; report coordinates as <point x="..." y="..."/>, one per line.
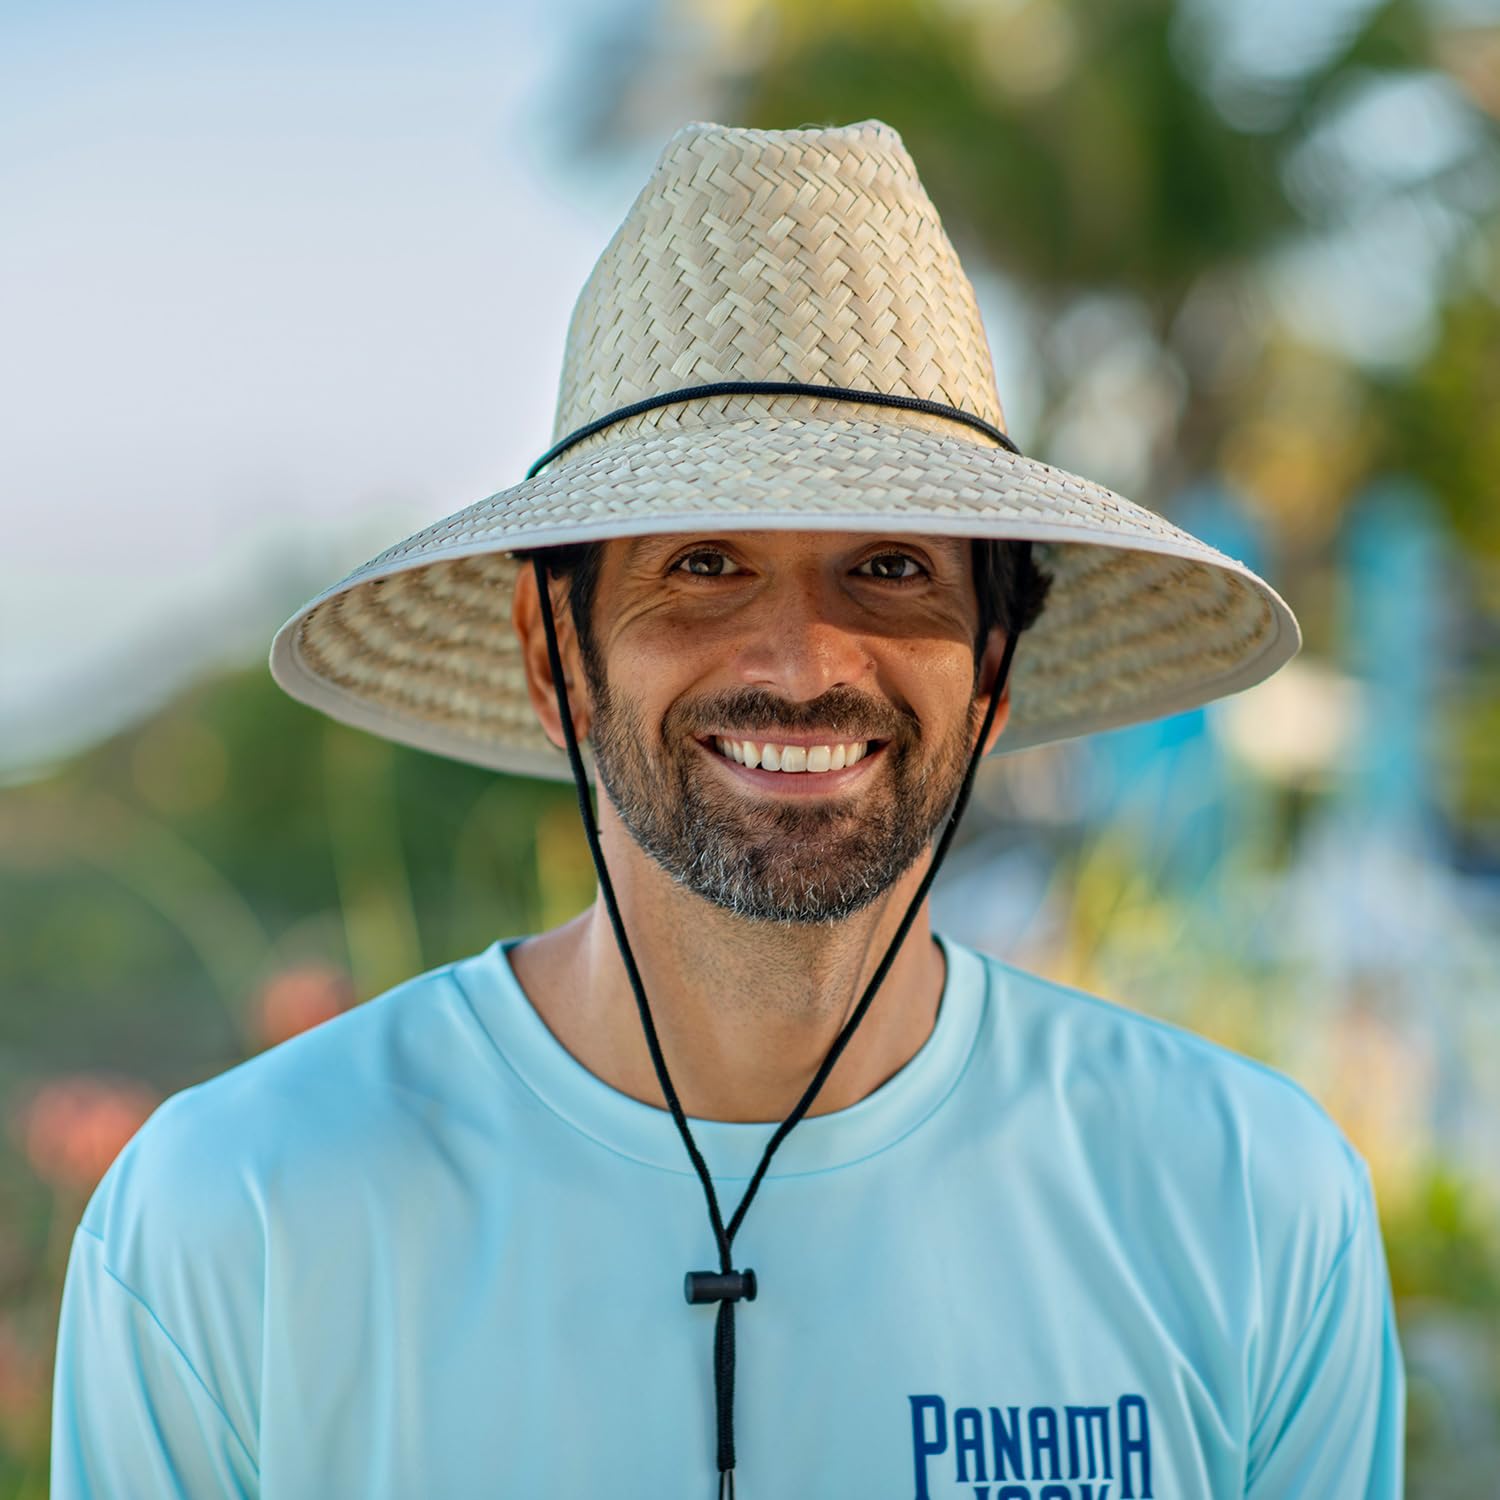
<point x="745" y="1174"/>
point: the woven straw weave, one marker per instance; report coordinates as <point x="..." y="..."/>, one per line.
<point x="802" y="255"/>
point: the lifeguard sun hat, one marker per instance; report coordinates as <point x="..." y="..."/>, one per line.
<point x="782" y="256"/>
<point x="779" y="335"/>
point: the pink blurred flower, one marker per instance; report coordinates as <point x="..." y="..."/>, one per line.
<point x="299" y="998"/>
<point x="72" y="1128"/>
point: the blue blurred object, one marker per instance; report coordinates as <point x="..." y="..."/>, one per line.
<point x="1391" y="637"/>
<point x="1166" y="780"/>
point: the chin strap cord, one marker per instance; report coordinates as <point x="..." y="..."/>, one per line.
<point x="772" y="388"/>
<point x="728" y="1286"/>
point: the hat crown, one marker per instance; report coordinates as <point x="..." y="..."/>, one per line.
<point x="810" y="255"/>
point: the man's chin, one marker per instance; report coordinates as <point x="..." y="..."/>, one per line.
<point x="772" y="878"/>
<point x="786" y="905"/>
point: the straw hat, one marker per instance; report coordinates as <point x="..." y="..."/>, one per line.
<point x="811" y="256"/>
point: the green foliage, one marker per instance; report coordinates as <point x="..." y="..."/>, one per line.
<point x="170" y="871"/>
<point x="1103" y="164"/>
<point x="1443" y="1243"/>
<point x="1438" y="421"/>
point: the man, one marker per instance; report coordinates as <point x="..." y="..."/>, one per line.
<point x="1006" y="1241"/>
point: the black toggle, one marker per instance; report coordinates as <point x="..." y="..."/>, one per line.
<point x="719" y="1286"/>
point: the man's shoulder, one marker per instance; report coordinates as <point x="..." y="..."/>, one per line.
<point x="357" y="1097"/>
<point x="1164" y="1100"/>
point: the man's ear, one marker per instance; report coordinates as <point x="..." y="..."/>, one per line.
<point x="989" y="667"/>
<point x="526" y="617"/>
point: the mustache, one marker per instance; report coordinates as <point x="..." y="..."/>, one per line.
<point x="844" y="712"/>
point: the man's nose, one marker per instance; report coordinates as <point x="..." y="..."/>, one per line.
<point x="802" y="642"/>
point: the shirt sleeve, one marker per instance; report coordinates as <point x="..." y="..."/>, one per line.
<point x="130" y="1415"/>
<point x="1333" y="1424"/>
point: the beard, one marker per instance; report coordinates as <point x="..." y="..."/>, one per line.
<point x="767" y="860"/>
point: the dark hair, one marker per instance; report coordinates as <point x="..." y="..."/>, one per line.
<point x="1010" y="586"/>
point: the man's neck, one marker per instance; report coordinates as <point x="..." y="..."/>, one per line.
<point x="745" y="1011"/>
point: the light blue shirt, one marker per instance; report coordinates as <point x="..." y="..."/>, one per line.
<point x="420" y="1251"/>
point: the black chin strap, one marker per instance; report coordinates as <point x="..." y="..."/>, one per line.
<point x="728" y="1286"/>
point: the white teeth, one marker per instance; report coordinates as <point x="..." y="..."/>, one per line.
<point x="794" y="758"/>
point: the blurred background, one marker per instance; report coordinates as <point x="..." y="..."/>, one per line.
<point x="282" y="283"/>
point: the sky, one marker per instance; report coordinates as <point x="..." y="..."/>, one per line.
<point x="278" y="286"/>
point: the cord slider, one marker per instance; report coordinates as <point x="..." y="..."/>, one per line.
<point x="719" y="1286"/>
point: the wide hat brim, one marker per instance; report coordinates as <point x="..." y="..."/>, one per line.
<point x="1142" y="619"/>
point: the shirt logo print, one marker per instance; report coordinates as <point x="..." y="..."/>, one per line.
<point x="1032" y="1453"/>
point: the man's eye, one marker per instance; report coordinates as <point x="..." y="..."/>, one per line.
<point x="893" y="565"/>
<point x="706" y="564"/>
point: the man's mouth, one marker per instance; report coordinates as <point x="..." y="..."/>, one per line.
<point x="770" y="755"/>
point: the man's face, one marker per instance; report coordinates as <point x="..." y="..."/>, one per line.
<point x="782" y="720"/>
